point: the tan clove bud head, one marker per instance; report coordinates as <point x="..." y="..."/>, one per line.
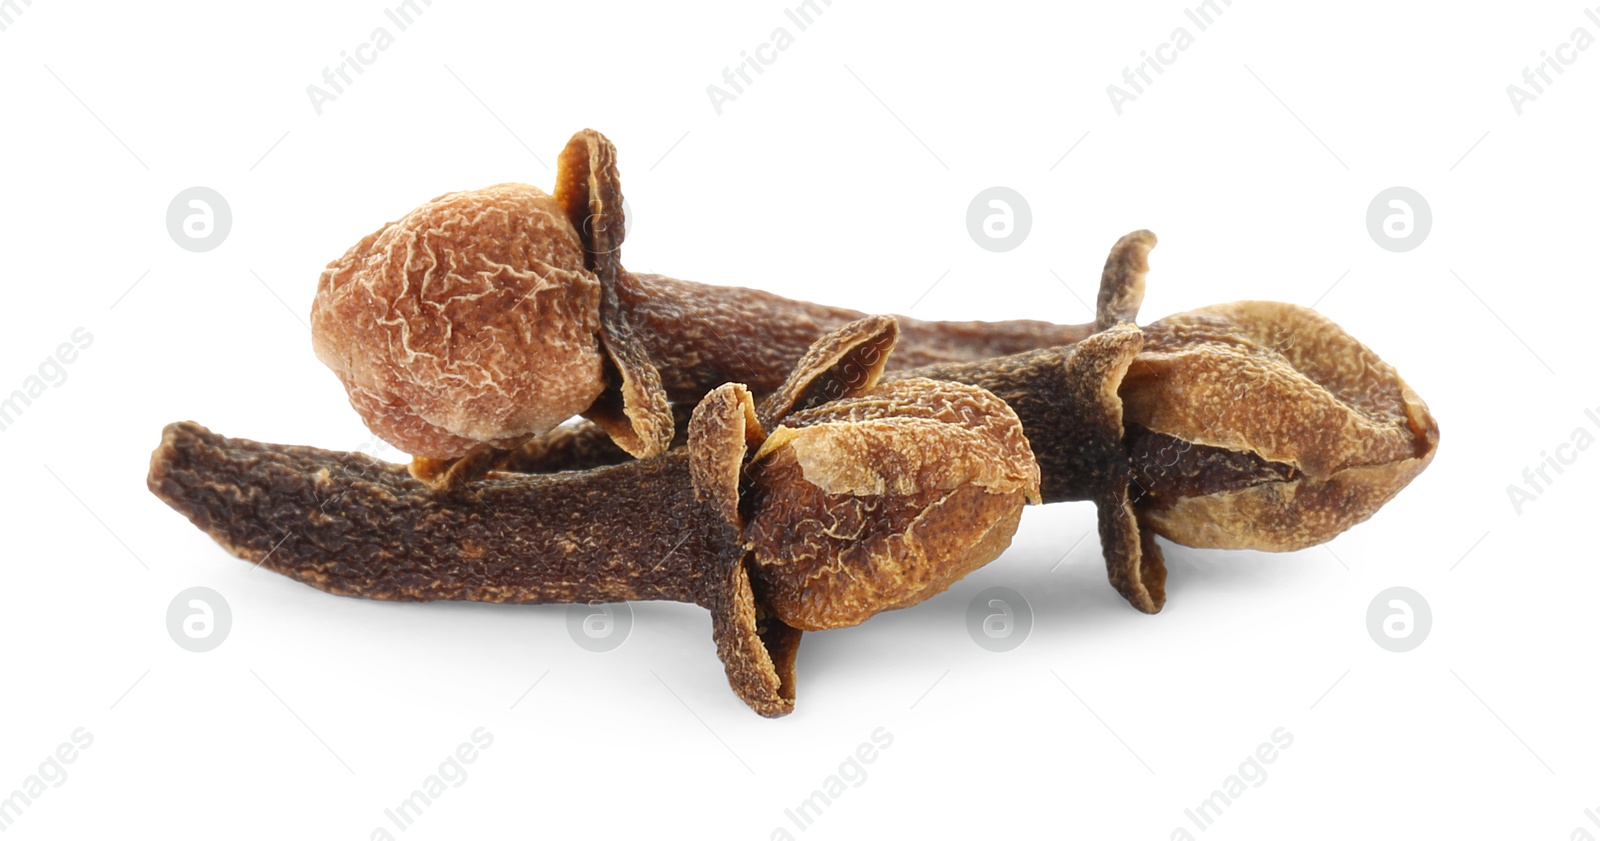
<point x="884" y="499"/>
<point x="1263" y="425"/>
<point x="471" y="319"/>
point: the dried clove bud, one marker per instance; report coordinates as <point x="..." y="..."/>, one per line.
<point x="1268" y="428"/>
<point x="484" y="317"/>
<point x="840" y="487"/>
<point x="920" y="482"/>
<point x="585" y="444"/>
<point x="1253" y="425"/>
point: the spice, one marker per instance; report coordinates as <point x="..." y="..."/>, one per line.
<point x="1252" y="425"/>
<point x="1288" y="430"/>
<point x="484" y="317"/>
<point x="919" y="482"/>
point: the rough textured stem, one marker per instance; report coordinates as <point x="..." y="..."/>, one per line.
<point x="701" y="336"/>
<point x="1079" y="456"/>
<point x="354" y="525"/>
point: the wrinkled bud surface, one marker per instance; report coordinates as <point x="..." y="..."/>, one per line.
<point x="881" y="500"/>
<point x="1262" y="425"/>
<point x="470" y="320"/>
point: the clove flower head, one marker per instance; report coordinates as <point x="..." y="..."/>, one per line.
<point x="881" y="500"/>
<point x="1263" y="425"/>
<point x="472" y="319"/>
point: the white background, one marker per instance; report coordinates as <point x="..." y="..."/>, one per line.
<point x="842" y="175"/>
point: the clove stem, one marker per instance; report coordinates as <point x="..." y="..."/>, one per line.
<point x="701" y="336"/>
<point x="354" y="525"/>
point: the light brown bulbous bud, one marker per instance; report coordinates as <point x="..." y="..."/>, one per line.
<point x="469" y="320"/>
<point x="884" y="499"/>
<point x="1263" y="425"/>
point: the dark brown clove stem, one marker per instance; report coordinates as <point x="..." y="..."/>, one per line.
<point x="702" y="336"/>
<point x="1066" y="398"/>
<point x="354" y="525"/>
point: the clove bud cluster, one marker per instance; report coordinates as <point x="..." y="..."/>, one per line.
<point x="788" y="466"/>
